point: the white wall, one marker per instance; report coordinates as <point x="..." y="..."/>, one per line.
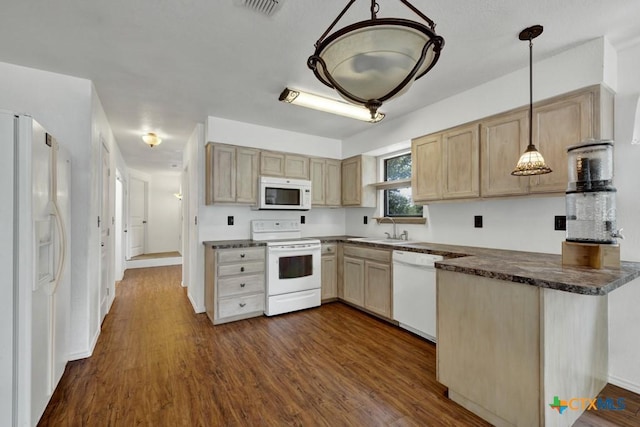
<point x="193" y="255"/>
<point x="250" y="135"/>
<point x="164" y="226"/>
<point x="624" y="312"/>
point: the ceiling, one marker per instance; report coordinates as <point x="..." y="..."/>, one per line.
<point x="165" y="65"/>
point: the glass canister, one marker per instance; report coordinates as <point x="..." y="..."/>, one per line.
<point x="590" y="165"/>
<point x="591" y="216"/>
<point x="591" y="197"/>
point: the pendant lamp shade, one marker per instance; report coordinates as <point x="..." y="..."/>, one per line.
<point x="531" y="162"/>
<point x="376" y="60"/>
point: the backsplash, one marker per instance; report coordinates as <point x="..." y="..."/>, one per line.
<point x="318" y="221"/>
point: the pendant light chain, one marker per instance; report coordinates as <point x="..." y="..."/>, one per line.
<point x="531" y="161"/>
<point x="530" y="93"/>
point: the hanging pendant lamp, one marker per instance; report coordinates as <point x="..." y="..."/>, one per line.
<point x="531" y="162"/>
<point x="370" y="62"/>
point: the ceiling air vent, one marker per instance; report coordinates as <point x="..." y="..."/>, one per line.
<point x="266" y="7"/>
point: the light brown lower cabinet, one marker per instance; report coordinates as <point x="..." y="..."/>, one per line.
<point x="506" y="349"/>
<point x="367" y="279"/>
<point x="329" y="268"/>
<point x="234" y="283"/>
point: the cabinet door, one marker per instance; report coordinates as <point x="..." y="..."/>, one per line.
<point x="296" y="167"/>
<point x="272" y="164"/>
<point x="558" y="125"/>
<point x="351" y="181"/>
<point x="502" y="140"/>
<point x="332" y="182"/>
<point x="426" y="173"/>
<point x="317" y="167"/>
<point x="329" y="277"/>
<point x="377" y="293"/>
<point x="224" y="173"/>
<point x="353" y="286"/>
<point x="461" y="162"/>
<point x="247" y="175"/>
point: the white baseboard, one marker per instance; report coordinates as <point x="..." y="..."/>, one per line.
<point x="194" y="305"/>
<point x="86" y="353"/>
<point x="154" y="262"/>
<point x="627" y="385"/>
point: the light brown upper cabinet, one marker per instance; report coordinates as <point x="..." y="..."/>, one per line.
<point x="503" y="139"/>
<point x="357" y="173"/>
<point x="426" y="171"/>
<point x="568" y="120"/>
<point x="445" y="165"/>
<point x="284" y="165"/>
<point x="461" y="160"/>
<point x="325" y="182"/>
<point x="231" y="174"/>
<point x="468" y="160"/>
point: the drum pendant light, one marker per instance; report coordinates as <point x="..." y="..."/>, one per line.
<point x="531" y="162"/>
<point x="372" y="61"/>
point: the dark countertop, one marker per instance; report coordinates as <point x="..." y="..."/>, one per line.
<point x="233" y="244"/>
<point x="531" y="268"/>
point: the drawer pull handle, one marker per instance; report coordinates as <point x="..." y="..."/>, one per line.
<point x="242" y="304"/>
<point x="241" y="268"/>
<point x="241" y="255"/>
<point x="242" y="285"/>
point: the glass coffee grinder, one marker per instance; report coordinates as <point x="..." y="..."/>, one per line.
<point x="591" y="207"/>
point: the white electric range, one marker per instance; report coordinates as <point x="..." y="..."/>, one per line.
<point x="293" y="266"/>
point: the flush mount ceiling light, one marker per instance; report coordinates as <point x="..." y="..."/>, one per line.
<point x="329" y="105"/>
<point x="370" y="62"/>
<point x="531" y="162"/>
<point x="151" y="139"/>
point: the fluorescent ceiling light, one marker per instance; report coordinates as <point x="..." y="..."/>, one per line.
<point x="329" y="105"/>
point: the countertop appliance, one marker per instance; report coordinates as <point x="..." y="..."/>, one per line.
<point x="414" y="292"/>
<point x="35" y="303"/>
<point x="284" y="193"/>
<point x="293" y="266"/>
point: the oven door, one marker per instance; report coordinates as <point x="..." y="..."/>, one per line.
<point x="293" y="268"/>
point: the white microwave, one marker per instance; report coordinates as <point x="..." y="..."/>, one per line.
<point x="284" y="193"/>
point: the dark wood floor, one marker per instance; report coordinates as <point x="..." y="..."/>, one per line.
<point x="158" y="364"/>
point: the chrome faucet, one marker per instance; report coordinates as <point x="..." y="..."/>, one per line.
<point x="395" y="236"/>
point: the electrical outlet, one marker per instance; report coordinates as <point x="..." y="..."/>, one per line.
<point x="365" y="221"/>
<point x="560" y="223"/>
<point x="302" y="219"/>
<point x="230" y="220"/>
<point x="477" y="221"/>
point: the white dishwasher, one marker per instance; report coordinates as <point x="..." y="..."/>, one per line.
<point x="414" y="292"/>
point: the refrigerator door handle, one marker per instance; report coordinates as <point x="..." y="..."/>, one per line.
<point x="62" y="244"/>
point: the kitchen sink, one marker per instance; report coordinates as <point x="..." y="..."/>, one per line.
<point x="383" y="241"/>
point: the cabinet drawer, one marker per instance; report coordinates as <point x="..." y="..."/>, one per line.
<point x="242" y="254"/>
<point x="240" y="285"/>
<point x="241" y="268"/>
<point x="329" y="249"/>
<point x="368" y="253"/>
<point x="236" y="306"/>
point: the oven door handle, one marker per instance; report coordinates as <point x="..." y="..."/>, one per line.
<point x="295" y="248"/>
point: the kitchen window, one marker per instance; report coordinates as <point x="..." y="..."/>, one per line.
<point x="397" y="201"/>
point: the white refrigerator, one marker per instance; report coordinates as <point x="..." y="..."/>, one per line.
<point x="34" y="250"/>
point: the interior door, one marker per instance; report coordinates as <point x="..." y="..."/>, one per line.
<point x="137" y="216"/>
<point x="104" y="234"/>
<point x="186" y="257"/>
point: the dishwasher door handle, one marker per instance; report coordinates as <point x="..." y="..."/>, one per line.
<point x="422" y="267"/>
